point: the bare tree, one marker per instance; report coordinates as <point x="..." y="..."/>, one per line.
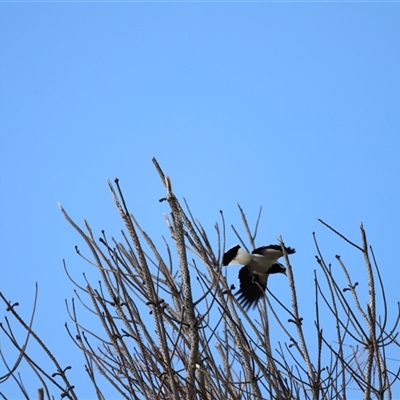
<point x="199" y="342"/>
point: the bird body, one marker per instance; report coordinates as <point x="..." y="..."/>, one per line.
<point x="257" y="266"/>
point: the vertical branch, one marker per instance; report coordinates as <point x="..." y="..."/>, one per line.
<point x="372" y="347"/>
<point x="336" y="316"/>
<point x="150" y="287"/>
<point x="298" y="322"/>
<point x="187" y="290"/>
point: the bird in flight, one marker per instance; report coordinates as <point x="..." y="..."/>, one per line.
<point x="258" y="265"/>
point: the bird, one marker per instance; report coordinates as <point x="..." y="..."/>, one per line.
<point x="257" y="266"/>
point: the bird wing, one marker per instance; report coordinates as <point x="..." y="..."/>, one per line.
<point x="272" y="251"/>
<point x="252" y="287"/>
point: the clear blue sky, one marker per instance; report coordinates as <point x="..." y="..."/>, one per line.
<point x="290" y="106"/>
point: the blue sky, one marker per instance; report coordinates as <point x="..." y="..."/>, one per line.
<point x="290" y="106"/>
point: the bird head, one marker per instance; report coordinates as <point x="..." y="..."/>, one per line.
<point x="277" y="269"/>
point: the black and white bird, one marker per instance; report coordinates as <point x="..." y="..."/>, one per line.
<point x="258" y="265"/>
